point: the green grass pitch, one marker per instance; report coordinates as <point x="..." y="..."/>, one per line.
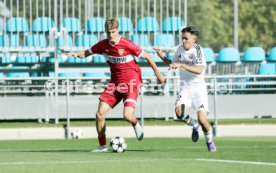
<point x="152" y="155"/>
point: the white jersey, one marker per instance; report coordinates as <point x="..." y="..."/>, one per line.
<point x="191" y="57"/>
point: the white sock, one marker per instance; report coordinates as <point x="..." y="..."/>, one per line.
<point x="193" y="122"/>
<point x="208" y="135"/>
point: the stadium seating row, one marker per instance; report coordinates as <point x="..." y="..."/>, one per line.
<point x="38" y="35"/>
<point x="85" y="40"/>
<point x="232" y="55"/>
<point x="44" y="24"/>
<point x="265" y="69"/>
<point x="225" y="55"/>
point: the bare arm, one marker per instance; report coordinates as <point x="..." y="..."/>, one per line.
<point x="162" y="56"/>
<point x="193" y="69"/>
<point x="160" y="78"/>
<point x="82" y="54"/>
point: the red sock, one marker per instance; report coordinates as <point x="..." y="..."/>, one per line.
<point x="135" y="122"/>
<point x="102" y="140"/>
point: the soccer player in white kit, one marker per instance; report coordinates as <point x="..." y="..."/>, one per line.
<point x="125" y="81"/>
<point x="189" y="58"/>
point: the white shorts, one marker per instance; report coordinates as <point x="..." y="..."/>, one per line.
<point x="194" y="96"/>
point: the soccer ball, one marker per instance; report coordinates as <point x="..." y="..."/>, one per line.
<point x="118" y="144"/>
<point x="76" y="133"/>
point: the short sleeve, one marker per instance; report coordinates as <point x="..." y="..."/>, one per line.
<point x="97" y="48"/>
<point x="134" y="49"/>
<point x="199" y="57"/>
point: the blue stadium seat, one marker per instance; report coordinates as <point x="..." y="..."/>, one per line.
<point x="65" y="41"/>
<point x="19" y="74"/>
<point x="51" y="59"/>
<point x="135" y="39"/>
<point x="254" y="54"/>
<point x="170" y="55"/>
<point x="140" y="39"/>
<point x="172" y="24"/>
<point x="148" y="24"/>
<point x="228" y="54"/>
<point x="95" y="24"/>
<point x="36" y="40"/>
<point x="42" y="24"/>
<point x="27" y="58"/>
<point x="209" y="55"/>
<point x="71" y="59"/>
<point x="266" y="69"/>
<point x="1" y="74"/>
<point x="148" y="74"/>
<point x="20" y="59"/>
<point x="94" y="74"/>
<point x="86" y="40"/>
<point x="72" y="24"/>
<point x="4" y="41"/>
<point x="272" y="55"/>
<point x="5" y="60"/>
<point x="125" y="24"/>
<point x="227" y="61"/>
<point x="163" y="40"/>
<point x="98" y="59"/>
<point x="51" y="74"/>
<point x="17" y="24"/>
<point x="14" y="40"/>
<point x="69" y="74"/>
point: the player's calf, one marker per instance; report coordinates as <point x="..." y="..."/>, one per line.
<point x="180" y="113"/>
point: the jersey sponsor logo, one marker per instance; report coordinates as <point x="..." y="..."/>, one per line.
<point x="189" y="63"/>
<point x="121" y="51"/>
<point x="201" y="106"/>
<point x="117" y="60"/>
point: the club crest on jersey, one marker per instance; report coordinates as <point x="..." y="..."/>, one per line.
<point x="121" y="51"/>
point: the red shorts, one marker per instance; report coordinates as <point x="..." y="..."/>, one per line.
<point x="112" y="95"/>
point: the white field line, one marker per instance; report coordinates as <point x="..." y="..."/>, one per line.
<point x="238" y="162"/>
<point x="136" y="160"/>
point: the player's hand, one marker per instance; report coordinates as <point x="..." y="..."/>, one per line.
<point x="159" y="52"/>
<point x="174" y="66"/>
<point x="74" y="54"/>
<point x="162" y="80"/>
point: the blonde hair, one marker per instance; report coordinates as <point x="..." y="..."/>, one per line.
<point x="111" y="23"/>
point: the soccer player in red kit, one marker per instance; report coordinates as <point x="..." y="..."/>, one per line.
<point x="119" y="53"/>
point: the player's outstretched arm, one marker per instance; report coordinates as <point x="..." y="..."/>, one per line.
<point x="162" y="56"/>
<point x="193" y="69"/>
<point x="160" y="78"/>
<point x="83" y="54"/>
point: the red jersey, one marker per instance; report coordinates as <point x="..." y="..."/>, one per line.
<point x="121" y="59"/>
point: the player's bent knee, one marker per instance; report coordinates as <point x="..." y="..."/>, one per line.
<point x="100" y="116"/>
